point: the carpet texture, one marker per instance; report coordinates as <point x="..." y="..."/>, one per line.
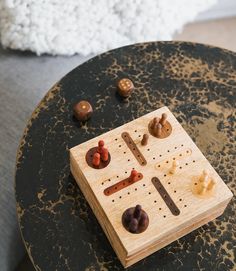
<point x="24" y="80"/>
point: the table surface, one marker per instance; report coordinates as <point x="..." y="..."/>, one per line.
<point x="197" y="83"/>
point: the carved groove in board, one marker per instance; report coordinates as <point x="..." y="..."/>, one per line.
<point x="134" y="149"/>
<point x="165" y="196"/>
<point x="122" y="184"/>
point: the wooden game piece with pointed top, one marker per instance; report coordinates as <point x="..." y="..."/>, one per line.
<point x="135" y="219"/>
<point x="96" y="159"/>
<point x="204" y="177"/>
<point x="203" y="188"/>
<point x="100" y="146"/>
<point x="154" y="123"/>
<point x="211" y="185"/>
<point x="144" y="140"/>
<point x="104" y="155"/>
<point x="125" y="87"/>
<point x="133" y="175"/>
<point x="175" y="165"/>
<point x="163" y="119"/>
<point x="158" y="130"/>
<point x="137" y="211"/>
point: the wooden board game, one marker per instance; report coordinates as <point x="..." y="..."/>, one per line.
<point x="164" y="174"/>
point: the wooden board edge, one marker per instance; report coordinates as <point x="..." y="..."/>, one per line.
<point x="130" y="260"/>
<point x="97" y="210"/>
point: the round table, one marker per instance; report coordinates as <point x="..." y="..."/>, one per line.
<point x="197" y="83"/>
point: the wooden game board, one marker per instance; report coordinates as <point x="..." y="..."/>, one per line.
<point x="191" y="210"/>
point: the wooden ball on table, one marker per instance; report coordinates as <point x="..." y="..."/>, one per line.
<point x="82" y="110"/>
<point x="125" y="87"/>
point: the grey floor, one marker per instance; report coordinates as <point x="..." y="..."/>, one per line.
<point x="24" y="80"/>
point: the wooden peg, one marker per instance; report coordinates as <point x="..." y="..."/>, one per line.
<point x="133" y="226"/>
<point x="137" y="211"/>
<point x="143" y="221"/>
<point x="144" y="140"/>
<point x="211" y="185"/>
<point x="96" y="159"/>
<point x="104" y="154"/>
<point x="163" y="119"/>
<point x="204" y="177"/>
<point x="154" y="123"/>
<point x="158" y="130"/>
<point x="100" y="146"/>
<point x="202" y="189"/>
<point x="133" y="175"/>
<point x="175" y="164"/>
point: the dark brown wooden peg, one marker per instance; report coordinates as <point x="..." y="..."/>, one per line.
<point x="144" y="141"/>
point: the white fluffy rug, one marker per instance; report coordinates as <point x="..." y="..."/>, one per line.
<point x="91" y="26"/>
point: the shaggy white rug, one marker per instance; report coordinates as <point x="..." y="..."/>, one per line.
<point x="91" y="26"/>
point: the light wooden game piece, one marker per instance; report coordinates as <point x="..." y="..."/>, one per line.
<point x="96" y="159"/>
<point x="174" y="167"/>
<point x="204" y="177"/>
<point x="163" y="119"/>
<point x="144" y="141"/>
<point x="211" y="185"/>
<point x="173" y="203"/>
<point x="203" y="188"/>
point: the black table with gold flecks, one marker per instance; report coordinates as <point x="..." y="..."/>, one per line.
<point x="198" y="84"/>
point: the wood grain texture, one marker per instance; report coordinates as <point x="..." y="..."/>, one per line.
<point x="159" y="154"/>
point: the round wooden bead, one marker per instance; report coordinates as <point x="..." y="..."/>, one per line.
<point x="125" y="87"/>
<point x="83" y="110"/>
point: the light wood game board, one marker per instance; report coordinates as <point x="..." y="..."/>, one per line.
<point x="189" y="207"/>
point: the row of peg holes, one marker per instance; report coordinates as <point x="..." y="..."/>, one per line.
<point x="126" y="172"/>
<point x="155" y="201"/>
<point x="179" y="167"/>
<point x="160" y="155"/>
<point x="129" y="143"/>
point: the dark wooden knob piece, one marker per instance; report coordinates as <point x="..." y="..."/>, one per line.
<point x="125" y="87"/>
<point x="135" y="219"/>
<point x="144" y="140"/>
<point x="82" y="110"/>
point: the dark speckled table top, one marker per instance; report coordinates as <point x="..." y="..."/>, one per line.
<point x="197" y="83"/>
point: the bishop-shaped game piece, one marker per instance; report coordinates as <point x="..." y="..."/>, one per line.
<point x="96" y="159"/>
<point x="163" y="119"/>
<point x="174" y="167"/>
<point x="144" y="140"/>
